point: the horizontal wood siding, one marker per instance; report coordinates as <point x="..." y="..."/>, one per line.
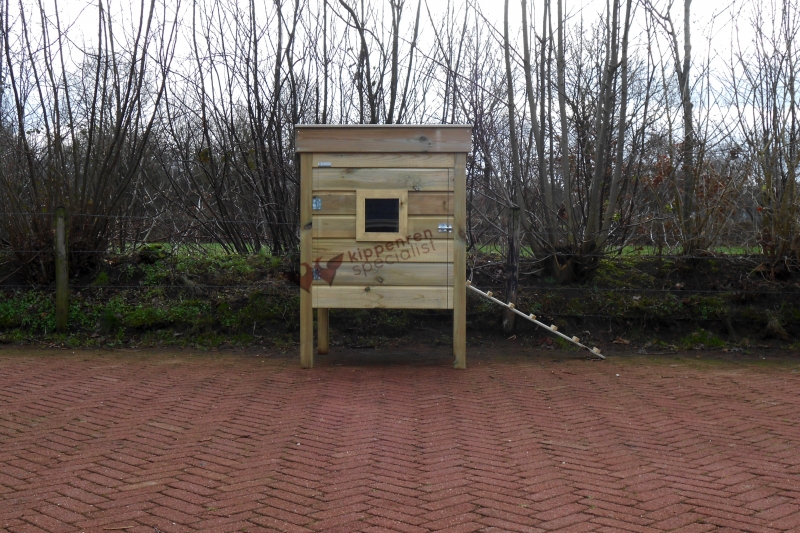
<point x="344" y="160"/>
<point x="422" y="251"/>
<point x="344" y="226"/>
<point x="336" y="203"/>
<point x="411" y="138"/>
<point x="382" y="297"/>
<point x="388" y="178"/>
<point x="430" y="203"/>
<point x="419" y="203"/>
<point x="403" y="274"/>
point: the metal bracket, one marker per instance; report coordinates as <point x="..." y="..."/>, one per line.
<point x="315" y="272"/>
<point x="445" y="228"/>
<point x="324" y="164"/>
<point x="316" y="203"/>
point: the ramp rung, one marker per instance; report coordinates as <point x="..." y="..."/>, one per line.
<point x="532" y="318"/>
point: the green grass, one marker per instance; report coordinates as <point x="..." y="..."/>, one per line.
<point x="497" y="250"/>
<point x="701" y="339"/>
<point x="652" y="251"/>
<point x="206" y="298"/>
<point x="164" y="299"/>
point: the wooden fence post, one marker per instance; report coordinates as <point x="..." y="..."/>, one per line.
<point x="62" y="271"/>
<point x="512" y="266"/>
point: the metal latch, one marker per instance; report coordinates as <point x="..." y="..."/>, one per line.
<point x="445" y="228"/>
<point x="315" y="272"/>
<point x="316" y="203"/>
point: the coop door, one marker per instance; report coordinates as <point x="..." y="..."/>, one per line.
<point x="381" y="215"/>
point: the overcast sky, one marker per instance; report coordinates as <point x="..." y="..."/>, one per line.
<point x="712" y="26"/>
<point x="707" y="15"/>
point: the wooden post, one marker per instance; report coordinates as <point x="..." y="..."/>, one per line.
<point x="512" y="266"/>
<point x="322" y="331"/>
<point x="460" y="262"/>
<point x="306" y="276"/>
<point x="62" y="271"/>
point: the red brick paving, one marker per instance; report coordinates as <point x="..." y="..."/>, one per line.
<point x="166" y="442"/>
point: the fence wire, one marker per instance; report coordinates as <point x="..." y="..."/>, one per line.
<point x="157" y="218"/>
<point x="534" y="289"/>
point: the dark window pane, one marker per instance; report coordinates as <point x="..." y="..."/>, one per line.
<point x="381" y="215"/>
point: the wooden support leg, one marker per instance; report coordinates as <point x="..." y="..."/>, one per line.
<point x="459" y="331"/>
<point x="306" y="330"/>
<point x="322" y="331"/>
<point x="306" y="277"/>
<point x="460" y="263"/>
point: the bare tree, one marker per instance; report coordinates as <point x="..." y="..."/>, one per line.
<point x="682" y="65"/>
<point x="80" y="136"/>
<point x="586" y="136"/>
<point x="763" y="82"/>
<point x="513" y="214"/>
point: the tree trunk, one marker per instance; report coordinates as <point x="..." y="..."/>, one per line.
<point x="604" y="108"/>
<point x="401" y="111"/>
<point x="616" y="180"/>
<point x="566" y="173"/>
<point x="538" y="127"/>
<point x="688" y="134"/>
<point x="397" y="12"/>
<point x="512" y="263"/>
<point x="512" y="267"/>
<point x="325" y="62"/>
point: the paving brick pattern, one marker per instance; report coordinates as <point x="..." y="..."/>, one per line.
<point x="174" y="442"/>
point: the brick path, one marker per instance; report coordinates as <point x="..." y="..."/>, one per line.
<point x="174" y="442"/>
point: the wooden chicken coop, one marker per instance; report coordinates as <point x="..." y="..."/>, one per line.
<point x="382" y="223"/>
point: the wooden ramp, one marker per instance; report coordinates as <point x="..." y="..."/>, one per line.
<point x="552" y="329"/>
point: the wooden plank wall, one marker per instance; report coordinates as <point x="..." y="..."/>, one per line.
<point x="437" y="179"/>
<point x="383" y="139"/>
<point x="415" y="272"/>
<point x="344" y="226"/>
<point x="419" y="203"/>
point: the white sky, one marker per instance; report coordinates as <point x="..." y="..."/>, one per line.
<point x="709" y="17"/>
<point x="712" y="28"/>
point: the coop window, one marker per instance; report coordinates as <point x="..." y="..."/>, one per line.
<point x="381" y="214"/>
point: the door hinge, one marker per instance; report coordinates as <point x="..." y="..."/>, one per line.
<point x="445" y="228"/>
<point x="316" y="203"/>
